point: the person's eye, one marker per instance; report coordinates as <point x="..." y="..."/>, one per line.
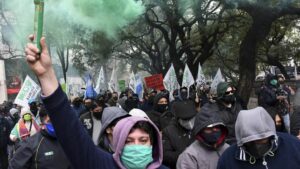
<point x="128" y="142"/>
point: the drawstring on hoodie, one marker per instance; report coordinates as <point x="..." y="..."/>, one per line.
<point x="265" y="163"/>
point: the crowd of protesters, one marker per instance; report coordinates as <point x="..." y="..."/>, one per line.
<point x="194" y="130"/>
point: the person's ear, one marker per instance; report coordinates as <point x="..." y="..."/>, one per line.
<point x="109" y="130"/>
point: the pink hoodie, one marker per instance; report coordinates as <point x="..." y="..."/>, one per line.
<point x="120" y="134"/>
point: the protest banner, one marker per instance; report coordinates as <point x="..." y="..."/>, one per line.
<point x="155" y="82"/>
<point x="29" y="90"/>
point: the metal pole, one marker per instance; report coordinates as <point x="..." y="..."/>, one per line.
<point x="3" y="89"/>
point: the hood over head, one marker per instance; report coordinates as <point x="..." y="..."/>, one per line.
<point x="138" y="113"/>
<point x="254" y="124"/>
<point x="25" y="110"/>
<point x="157" y="98"/>
<point x="13" y="111"/>
<point x="222" y="88"/>
<point x="184" y="109"/>
<point x="207" y="117"/>
<point x="109" y="115"/>
<point x="120" y="134"/>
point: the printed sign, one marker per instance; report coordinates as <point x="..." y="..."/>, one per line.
<point x="29" y="90"/>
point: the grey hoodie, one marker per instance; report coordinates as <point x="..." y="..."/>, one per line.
<point x="109" y="115"/>
<point x="253" y="125"/>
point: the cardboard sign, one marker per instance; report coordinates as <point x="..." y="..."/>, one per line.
<point x="155" y="82"/>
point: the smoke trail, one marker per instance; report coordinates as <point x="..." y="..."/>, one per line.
<point x="108" y="16"/>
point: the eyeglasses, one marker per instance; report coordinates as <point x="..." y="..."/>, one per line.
<point x="229" y="92"/>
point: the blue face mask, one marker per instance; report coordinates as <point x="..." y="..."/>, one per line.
<point x="136" y="156"/>
<point x="50" y="129"/>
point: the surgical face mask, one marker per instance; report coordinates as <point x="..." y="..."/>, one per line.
<point x="187" y="124"/>
<point x="50" y="130"/>
<point x="136" y="156"/>
<point x="258" y="150"/>
<point x="274" y="82"/>
<point x="27" y="117"/>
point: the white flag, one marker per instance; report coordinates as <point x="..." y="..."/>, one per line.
<point x="200" y="76"/>
<point x="29" y="90"/>
<point x="101" y="81"/>
<point x="170" y="81"/>
<point x="132" y="82"/>
<point x="188" y="79"/>
<point x="218" y="78"/>
<point x="113" y="82"/>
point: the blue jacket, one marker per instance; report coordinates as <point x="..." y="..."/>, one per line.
<point x="74" y="139"/>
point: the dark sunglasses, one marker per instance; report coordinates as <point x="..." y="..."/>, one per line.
<point x="228" y="92"/>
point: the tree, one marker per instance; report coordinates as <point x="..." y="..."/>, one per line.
<point x="263" y="14"/>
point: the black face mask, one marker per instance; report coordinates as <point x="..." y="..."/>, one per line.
<point x="115" y="98"/>
<point x="229" y="99"/>
<point x="34" y="109"/>
<point x="98" y="115"/>
<point x="258" y="150"/>
<point x="184" y="95"/>
<point x="151" y="99"/>
<point x="212" y="138"/>
<point x="162" y="108"/>
<point x="279" y="128"/>
<point x="77" y="103"/>
<point x="88" y="106"/>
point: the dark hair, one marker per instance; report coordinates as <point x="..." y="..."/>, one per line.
<point x="42" y="113"/>
<point x="146" y="127"/>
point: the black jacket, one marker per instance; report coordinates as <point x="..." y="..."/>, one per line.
<point x="40" y="151"/>
<point x="295" y="121"/>
<point x="175" y="140"/>
<point x="87" y="121"/>
<point x="161" y="120"/>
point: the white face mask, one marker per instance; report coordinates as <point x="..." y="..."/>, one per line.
<point x="187" y="124"/>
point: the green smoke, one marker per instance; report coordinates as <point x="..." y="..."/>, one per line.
<point x="108" y="16"/>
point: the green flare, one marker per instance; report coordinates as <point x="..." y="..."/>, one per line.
<point x="38" y="21"/>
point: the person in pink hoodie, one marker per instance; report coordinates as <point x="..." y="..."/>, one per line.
<point x="136" y="140"/>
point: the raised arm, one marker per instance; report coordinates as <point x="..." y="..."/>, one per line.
<point x="75" y="141"/>
<point x="40" y="63"/>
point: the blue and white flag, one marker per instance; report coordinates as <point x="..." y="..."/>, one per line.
<point x="90" y="93"/>
<point x="139" y="89"/>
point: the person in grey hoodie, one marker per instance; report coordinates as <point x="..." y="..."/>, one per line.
<point x="210" y="133"/>
<point x="110" y="117"/>
<point x="259" y="146"/>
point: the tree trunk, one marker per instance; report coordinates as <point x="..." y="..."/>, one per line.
<point x="257" y="32"/>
